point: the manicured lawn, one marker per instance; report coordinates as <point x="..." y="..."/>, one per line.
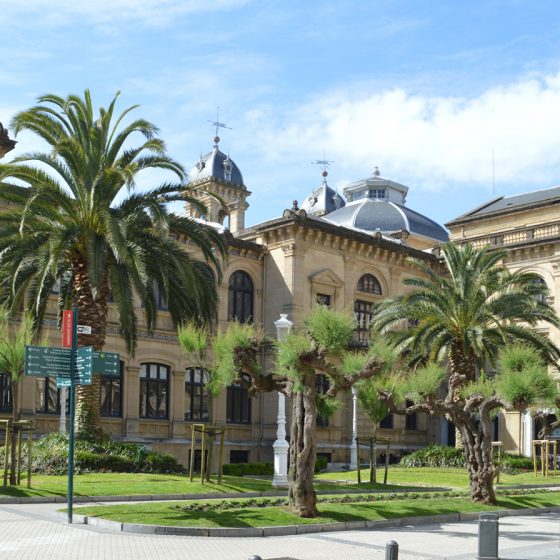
<point x="169" y="513"/>
<point x="449" y="478"/>
<point x="130" y="484"/>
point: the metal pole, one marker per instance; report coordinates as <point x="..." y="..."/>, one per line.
<point x="29" y="453"/>
<point x="392" y="550"/>
<point x="72" y="412"/>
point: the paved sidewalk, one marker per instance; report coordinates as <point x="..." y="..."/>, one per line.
<point x="32" y="532"/>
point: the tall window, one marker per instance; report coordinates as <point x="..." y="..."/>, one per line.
<point x="238" y="405"/>
<point x="362" y="313"/>
<point x="196" y="395"/>
<point x="47" y="400"/>
<point x="387" y="422"/>
<point x="5" y="392"/>
<point x="322" y="385"/>
<point x="369" y="284"/>
<point x="154" y="390"/>
<point x="111" y="394"/>
<point x="240" y="297"/>
<point x="410" y="418"/>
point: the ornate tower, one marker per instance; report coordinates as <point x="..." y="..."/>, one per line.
<point x="216" y="174"/>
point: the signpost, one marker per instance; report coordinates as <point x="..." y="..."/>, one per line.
<point x="72" y="366"/>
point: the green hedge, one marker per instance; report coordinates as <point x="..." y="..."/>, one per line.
<point x="435" y="456"/>
<point x="50" y="454"/>
<point x="449" y="457"/>
<point x="247" y="469"/>
<point x="263" y="469"/>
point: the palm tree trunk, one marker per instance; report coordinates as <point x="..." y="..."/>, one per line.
<point x="301" y="495"/>
<point x="92" y="312"/>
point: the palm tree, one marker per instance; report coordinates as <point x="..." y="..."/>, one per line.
<point x="463" y="317"/>
<point x="77" y="221"/>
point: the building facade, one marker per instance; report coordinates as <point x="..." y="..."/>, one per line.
<point x="527" y="226"/>
<point x="346" y="252"/>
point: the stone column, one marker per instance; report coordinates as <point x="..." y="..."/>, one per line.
<point x="132" y="395"/>
<point x="177" y="403"/>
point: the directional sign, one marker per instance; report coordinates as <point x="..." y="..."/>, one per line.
<point x="42" y="361"/>
<point x="107" y="364"/>
<point x="83" y="374"/>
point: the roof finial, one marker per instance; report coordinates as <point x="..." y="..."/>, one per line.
<point x="325" y="163"/>
<point x="218" y="125"/>
<point x="376" y="171"/>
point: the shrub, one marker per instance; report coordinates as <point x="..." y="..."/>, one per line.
<point x="50" y="454"/>
<point x="435" y="456"/>
<point x="511" y="462"/>
<point x="246" y="469"/>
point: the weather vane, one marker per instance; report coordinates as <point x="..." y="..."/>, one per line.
<point x="218" y="125"/>
<point x="325" y="163"/>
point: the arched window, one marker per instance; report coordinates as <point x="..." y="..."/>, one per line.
<point x="154" y="390"/>
<point x="240" y="297"/>
<point x="238" y="405"/>
<point x="540" y="282"/>
<point x="369" y="284"/>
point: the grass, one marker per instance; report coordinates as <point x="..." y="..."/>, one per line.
<point x="134" y="484"/>
<point x="425" y="476"/>
<point x="170" y="514"/>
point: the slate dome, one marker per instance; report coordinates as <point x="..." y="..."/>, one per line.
<point x="216" y="165"/>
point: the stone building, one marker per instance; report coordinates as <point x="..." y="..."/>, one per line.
<point x="346" y="254"/>
<point x="528" y="227"/>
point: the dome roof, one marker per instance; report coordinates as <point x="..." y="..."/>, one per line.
<point x="322" y="200"/>
<point x="216" y="165"/>
<point x="387" y="217"/>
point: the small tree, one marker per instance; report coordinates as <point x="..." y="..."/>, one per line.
<point x="463" y="318"/>
<point x="13" y="339"/>
<point x="321" y="347"/>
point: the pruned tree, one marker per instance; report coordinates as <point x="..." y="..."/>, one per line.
<point x="320" y="347"/>
<point x="465" y="317"/>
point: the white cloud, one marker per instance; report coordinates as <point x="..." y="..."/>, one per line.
<point x="105" y="12"/>
<point x="430" y="141"/>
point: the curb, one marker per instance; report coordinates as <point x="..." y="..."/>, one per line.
<point x="107" y="525"/>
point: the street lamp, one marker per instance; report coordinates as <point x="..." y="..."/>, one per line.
<point x="281" y="446"/>
<point x="6" y="143"/>
<point x="353" y="446"/>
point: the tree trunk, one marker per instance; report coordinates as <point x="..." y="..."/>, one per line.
<point x="92" y="312"/>
<point x="478" y="456"/>
<point x="301" y="495"/>
<point x="14" y="438"/>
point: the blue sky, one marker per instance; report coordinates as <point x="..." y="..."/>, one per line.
<point x="425" y="90"/>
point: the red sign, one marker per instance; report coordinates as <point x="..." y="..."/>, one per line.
<point x="67" y="328"/>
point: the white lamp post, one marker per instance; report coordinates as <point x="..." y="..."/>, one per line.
<point x="281" y="446"/>
<point x="353" y="446"/>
